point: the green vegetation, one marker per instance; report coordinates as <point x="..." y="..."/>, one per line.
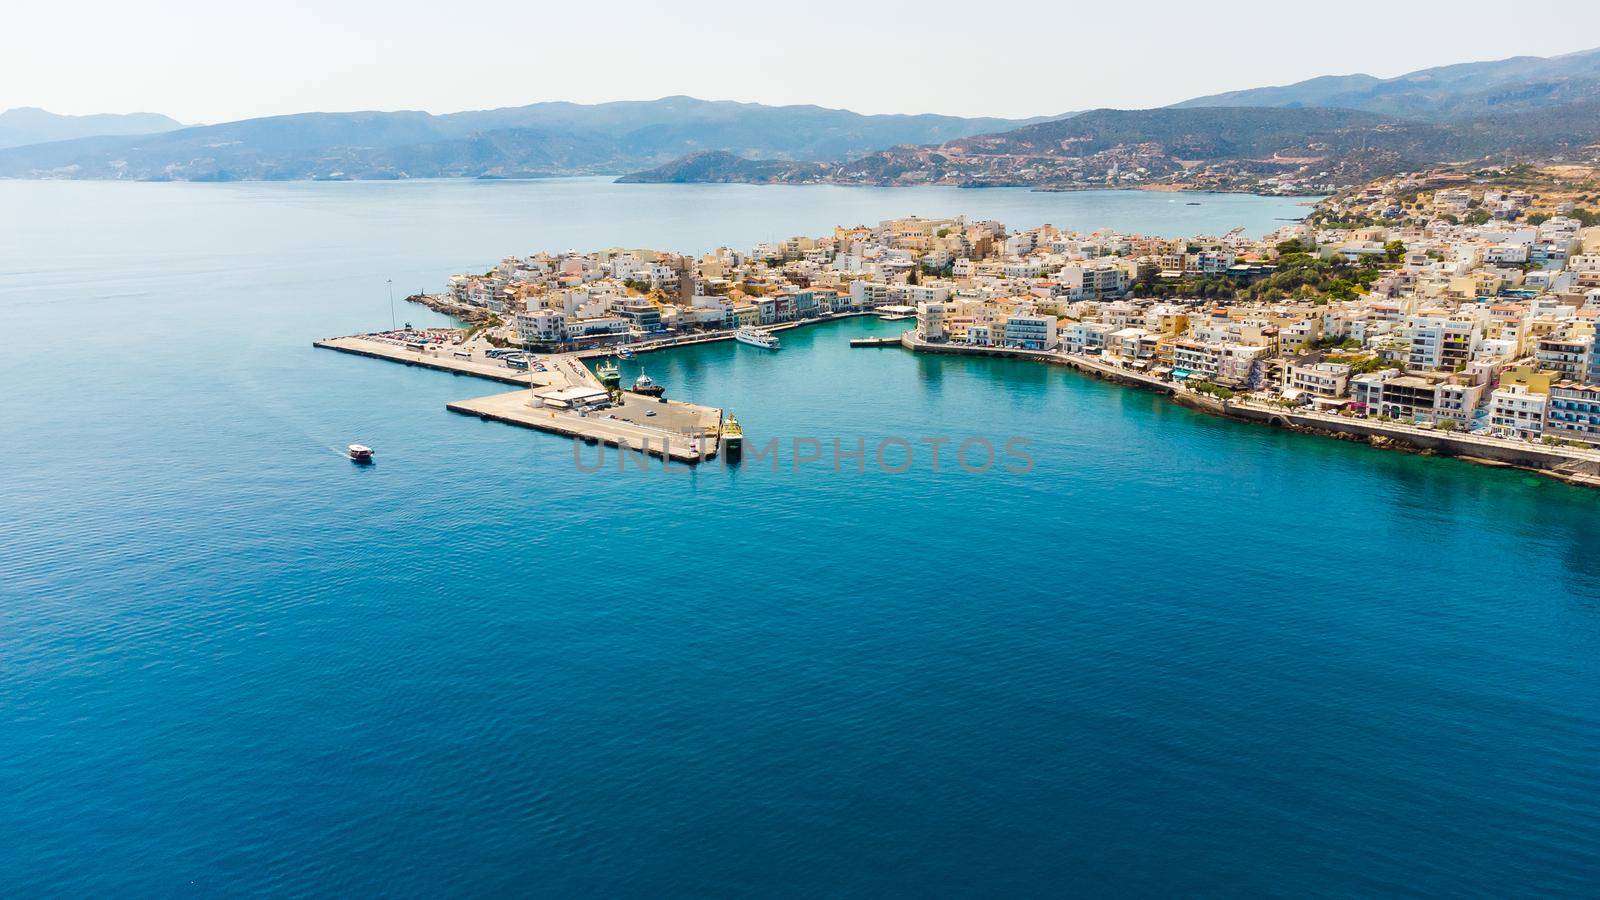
<point x="1336" y="344"/>
<point x="1300" y="276"/>
<point x="1362" y="363"/>
<point x="493" y="321"/>
<point x="1211" y="388"/>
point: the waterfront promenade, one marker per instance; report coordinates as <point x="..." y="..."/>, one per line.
<point x="1574" y="465"/>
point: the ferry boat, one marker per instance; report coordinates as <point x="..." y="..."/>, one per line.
<point x="645" y="385"/>
<point x="360" y="453"/>
<point x="755" y="337"/>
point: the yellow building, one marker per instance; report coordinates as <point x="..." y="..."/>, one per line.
<point x="1535" y="381"/>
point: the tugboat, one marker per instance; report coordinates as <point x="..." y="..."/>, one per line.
<point x="360" y="453"/>
<point x="644" y="385"/>
<point x="610" y="375"/>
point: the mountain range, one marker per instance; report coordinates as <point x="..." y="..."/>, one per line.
<point x="1333" y="129"/>
<point x="540" y="139"/>
<point x="1439" y="94"/>
<point x="1302" y="137"/>
<point x="31" y="125"/>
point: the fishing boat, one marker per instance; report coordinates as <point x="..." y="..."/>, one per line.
<point x="360" y="453"/>
<point x="755" y="337"/>
<point x="610" y="374"/>
<point x="645" y="385"/>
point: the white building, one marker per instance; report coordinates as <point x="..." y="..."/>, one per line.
<point x="1322" y="379"/>
<point x="541" y="326"/>
<point x="1031" y="332"/>
<point x="1515" y="409"/>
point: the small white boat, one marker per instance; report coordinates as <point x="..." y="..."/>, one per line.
<point x="360" y="453"/>
<point x="755" y="337"/>
<point x="625" y="353"/>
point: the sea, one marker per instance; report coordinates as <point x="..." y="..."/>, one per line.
<point x="1098" y="645"/>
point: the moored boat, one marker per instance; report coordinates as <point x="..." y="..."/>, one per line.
<point x="755" y="337"/>
<point x="646" y="385"/>
<point x="732" y="437"/>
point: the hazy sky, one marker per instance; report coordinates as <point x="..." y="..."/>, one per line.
<point x="220" y="60"/>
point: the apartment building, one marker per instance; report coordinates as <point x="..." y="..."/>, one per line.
<point x="1323" y="379"/>
<point x="1568" y="357"/>
<point x="1513" y="409"/>
<point x="1031" y="332"/>
<point x="1573" y="411"/>
<point x="1441" y="343"/>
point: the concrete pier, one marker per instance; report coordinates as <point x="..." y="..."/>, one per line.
<point x="688" y="433"/>
<point x="440" y="359"/>
<point x="670" y="429"/>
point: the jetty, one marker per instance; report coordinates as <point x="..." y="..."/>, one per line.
<point x="439" y="358"/>
<point x="682" y="432"/>
<point x="558" y="394"/>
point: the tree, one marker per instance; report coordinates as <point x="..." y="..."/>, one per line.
<point x="1394" y="251"/>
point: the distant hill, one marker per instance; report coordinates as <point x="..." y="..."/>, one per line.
<point x="1162" y="142"/>
<point x="1204" y="134"/>
<point x="31" y="125"/>
<point x="718" y="166"/>
<point x="1212" y="147"/>
<point x="541" y="139"/>
<point x="1443" y="93"/>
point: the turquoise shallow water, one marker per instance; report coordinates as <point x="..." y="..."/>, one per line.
<point x="1180" y="655"/>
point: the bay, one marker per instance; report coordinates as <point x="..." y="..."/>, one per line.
<point x="1178" y="655"/>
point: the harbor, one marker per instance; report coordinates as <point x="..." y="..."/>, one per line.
<point x="559" y="394"/>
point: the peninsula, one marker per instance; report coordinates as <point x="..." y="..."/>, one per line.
<point x="1444" y="311"/>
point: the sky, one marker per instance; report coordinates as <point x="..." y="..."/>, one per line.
<point x="203" y="62"/>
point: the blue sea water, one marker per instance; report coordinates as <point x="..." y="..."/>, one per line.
<point x="1181" y="655"/>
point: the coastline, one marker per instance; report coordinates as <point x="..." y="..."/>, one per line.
<point x="1566" y="464"/>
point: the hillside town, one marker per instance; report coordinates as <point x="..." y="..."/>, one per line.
<point x="1468" y="308"/>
